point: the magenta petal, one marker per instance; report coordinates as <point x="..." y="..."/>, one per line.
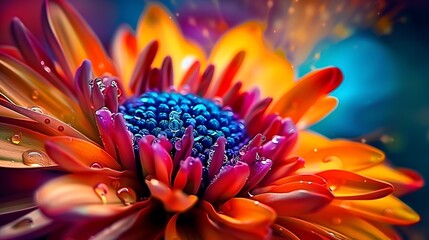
<point x="227" y="183"/>
<point x="184" y="146"/>
<point x="217" y="158"/>
<point x="82" y="78"/>
<point x="146" y="155"/>
<point x="143" y="64"/>
<point x="124" y="143"/>
<point x="111" y="96"/>
<point x="258" y="170"/>
<point x="104" y="122"/>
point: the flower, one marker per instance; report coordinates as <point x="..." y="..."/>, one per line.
<point x="162" y="142"/>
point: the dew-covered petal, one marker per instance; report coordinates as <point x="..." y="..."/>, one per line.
<point x="72" y="40"/>
<point x="227" y="183"/>
<point x="123" y="143"/>
<point x="258" y="170"/>
<point x="243" y="214"/>
<point x="29" y="226"/>
<point x="173" y="200"/>
<point x="184" y="146"/>
<point x="81" y="196"/>
<point x="283" y="169"/>
<point x="266" y="74"/>
<point x="217" y="159"/>
<point x="189" y="175"/>
<point x="22" y="148"/>
<point x="388" y="209"/>
<point x="296" y="198"/>
<point x="77" y="155"/>
<point x="124" y="52"/>
<point x="307" y="91"/>
<point x="403" y="180"/>
<point x="156" y="24"/>
<point x="351" y="186"/>
<point x="345" y="223"/>
<point x="320" y="109"/>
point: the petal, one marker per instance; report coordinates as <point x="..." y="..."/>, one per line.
<point x="307" y="92"/>
<point x="243" y="214"/>
<point x="283" y="169"/>
<point x="189" y="175"/>
<point x="248" y="37"/>
<point x="173" y="200"/>
<point x="81" y="196"/>
<point x="320" y="109"/>
<point x="228" y="183"/>
<point x="76" y="155"/>
<point x="31" y="225"/>
<point x="73" y="40"/>
<point x="345" y="223"/>
<point x="125" y="53"/>
<point x="124" y="143"/>
<point x="22" y="148"/>
<point x="388" y="209"/>
<point x="350" y="186"/>
<point x="155" y="24"/>
<point x="258" y="170"/>
<point x="403" y="180"/>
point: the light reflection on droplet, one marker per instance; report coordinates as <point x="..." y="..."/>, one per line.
<point x="35" y="94"/>
<point x="35" y="158"/>
<point x="16" y="138"/>
<point x="127" y="195"/>
<point x="96" y="165"/>
<point x="101" y="190"/>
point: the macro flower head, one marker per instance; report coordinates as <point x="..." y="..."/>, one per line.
<point x="161" y="140"/>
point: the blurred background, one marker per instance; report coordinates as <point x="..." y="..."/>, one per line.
<point x="381" y="46"/>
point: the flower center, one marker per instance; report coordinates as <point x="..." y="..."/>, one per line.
<point x="169" y="114"/>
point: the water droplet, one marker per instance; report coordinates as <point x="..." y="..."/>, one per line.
<point x="388" y="212"/>
<point x="256" y="203"/>
<point x="47" y="120"/>
<point x="101" y="190"/>
<point x="35" y="94"/>
<point x="115" y="184"/>
<point x="178" y="145"/>
<point x="333" y="185"/>
<point x="60" y="128"/>
<point x="276" y="139"/>
<point x="36" y="109"/>
<point x="23" y="223"/>
<point x="363" y="140"/>
<point x="16" y="138"/>
<point x="35" y="158"/>
<point x="337" y="220"/>
<point x="96" y="165"/>
<point x="315" y="150"/>
<point x="174" y="125"/>
<point x="127" y="195"/>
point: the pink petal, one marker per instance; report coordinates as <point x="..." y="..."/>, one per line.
<point x="188" y="177"/>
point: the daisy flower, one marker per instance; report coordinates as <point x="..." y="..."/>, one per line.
<point x="157" y="140"/>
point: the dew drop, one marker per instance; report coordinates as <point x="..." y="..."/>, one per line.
<point x="47" y="121"/>
<point x="178" y="145"/>
<point x="388" y="212"/>
<point x="101" y="190"/>
<point x="35" y="158"/>
<point x="127" y="195"/>
<point x="337" y="220"/>
<point x="333" y="185"/>
<point x="256" y="203"/>
<point x="36" y="109"/>
<point x="16" y="138"/>
<point x="174" y="125"/>
<point x="96" y="165"/>
<point x="115" y="184"/>
<point x="276" y="139"/>
<point x="35" y="94"/>
<point x="315" y="150"/>
<point x="60" y="128"/>
<point x="23" y="223"/>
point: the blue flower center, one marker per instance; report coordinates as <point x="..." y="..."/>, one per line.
<point x="169" y="114"/>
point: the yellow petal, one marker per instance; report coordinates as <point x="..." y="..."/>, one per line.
<point x="261" y="67"/>
<point x="157" y="24"/>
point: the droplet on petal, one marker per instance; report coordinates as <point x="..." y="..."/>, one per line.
<point x="388" y="212"/>
<point x="23" y="223"/>
<point x="60" y="128"/>
<point x="35" y="94"/>
<point x="35" y="158"/>
<point x="96" y="165"/>
<point x="127" y="195"/>
<point x="47" y="121"/>
<point x="36" y="109"/>
<point x="101" y="190"/>
<point x="16" y="138"/>
<point x="337" y="220"/>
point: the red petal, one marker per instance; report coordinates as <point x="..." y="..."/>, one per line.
<point x="189" y="176"/>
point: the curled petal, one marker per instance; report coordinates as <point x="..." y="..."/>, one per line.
<point x="77" y="155"/>
<point x="229" y="181"/>
<point x="347" y="185"/>
<point x="244" y="214"/>
<point x="189" y="175"/>
<point x="388" y="209"/>
<point x="173" y="200"/>
<point x="80" y="196"/>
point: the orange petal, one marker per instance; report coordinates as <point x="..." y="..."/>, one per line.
<point x="262" y="67"/>
<point x="336" y="154"/>
<point x="173" y="200"/>
<point x="22" y="148"/>
<point x="76" y="155"/>
<point x="125" y="54"/>
<point x="320" y="109"/>
<point x="80" y="196"/>
<point x="388" y="209"/>
<point x="156" y="24"/>
<point x="31" y="225"/>
<point x="73" y="40"/>
<point x="244" y="214"/>
<point x="306" y="92"/>
<point x="403" y="180"/>
<point x="350" y="186"/>
<point x="345" y="223"/>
